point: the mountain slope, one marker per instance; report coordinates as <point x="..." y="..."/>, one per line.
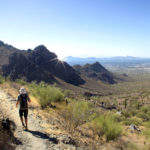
<point x="39" y="64"/>
<point x="5" y="51"/>
<point x="96" y="71"/>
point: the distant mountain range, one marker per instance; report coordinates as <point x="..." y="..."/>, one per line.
<point x="40" y="64"/>
<point x="119" y="60"/>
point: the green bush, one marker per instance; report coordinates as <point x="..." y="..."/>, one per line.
<point x="144" y="113"/>
<point x="45" y="93"/>
<point x="129" y="112"/>
<point x="147" y="124"/>
<point x="132" y="146"/>
<point x="69" y="94"/>
<point x="144" y="116"/>
<point x="145" y="109"/>
<point x="105" y="125"/>
<point x="21" y="82"/>
<point x="126" y="113"/>
<point x="133" y="120"/>
<point x="119" y="118"/>
<point x="1" y="80"/>
<point x="76" y="114"/>
<point x="147" y="133"/>
<point x="135" y="104"/>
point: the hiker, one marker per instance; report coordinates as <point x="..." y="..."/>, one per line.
<point x="23" y="99"/>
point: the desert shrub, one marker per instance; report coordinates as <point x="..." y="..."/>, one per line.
<point x="129" y="112"/>
<point x="1" y="80"/>
<point x="119" y="118"/>
<point x="147" y="133"/>
<point x="132" y="146"/>
<point x="144" y="113"/>
<point x="133" y="120"/>
<point x="76" y="114"/>
<point x="21" y="82"/>
<point x="144" y="116"/>
<point x="133" y="111"/>
<point x="147" y="124"/>
<point x="45" y="93"/>
<point x="105" y="125"/>
<point x="126" y="113"/>
<point x="69" y="93"/>
<point x="145" y="109"/>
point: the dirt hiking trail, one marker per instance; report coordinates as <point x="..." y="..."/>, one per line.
<point x="35" y="138"/>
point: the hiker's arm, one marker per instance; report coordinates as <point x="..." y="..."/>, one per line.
<point x="18" y="100"/>
<point x="17" y="103"/>
<point x="29" y="100"/>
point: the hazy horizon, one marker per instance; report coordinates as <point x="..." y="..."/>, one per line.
<point x="78" y="28"/>
<point x="81" y="56"/>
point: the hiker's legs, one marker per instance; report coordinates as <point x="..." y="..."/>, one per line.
<point x="26" y="122"/>
<point x="21" y="116"/>
<point x="26" y="118"/>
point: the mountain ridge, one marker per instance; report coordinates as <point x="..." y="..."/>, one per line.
<point x="39" y="64"/>
<point x="96" y="71"/>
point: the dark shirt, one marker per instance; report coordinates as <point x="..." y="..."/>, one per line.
<point x="23" y="100"/>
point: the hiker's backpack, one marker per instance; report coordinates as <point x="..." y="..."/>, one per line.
<point x="24" y="100"/>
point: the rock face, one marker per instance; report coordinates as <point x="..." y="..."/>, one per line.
<point x="96" y="71"/>
<point x="5" y="51"/>
<point x="41" y="65"/>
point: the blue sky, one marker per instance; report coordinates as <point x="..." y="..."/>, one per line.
<point x="78" y="27"/>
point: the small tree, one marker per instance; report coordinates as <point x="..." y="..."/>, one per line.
<point x="75" y="114"/>
<point x="105" y="125"/>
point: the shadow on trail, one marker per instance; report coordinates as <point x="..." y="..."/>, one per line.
<point x="43" y="136"/>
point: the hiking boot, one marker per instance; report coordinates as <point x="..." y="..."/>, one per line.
<point x="26" y="128"/>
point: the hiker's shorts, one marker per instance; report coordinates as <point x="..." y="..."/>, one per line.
<point x="23" y="112"/>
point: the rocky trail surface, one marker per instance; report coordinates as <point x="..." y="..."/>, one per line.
<point x="35" y="138"/>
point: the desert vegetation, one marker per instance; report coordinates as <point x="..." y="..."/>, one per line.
<point x="107" y="126"/>
<point x="45" y="93"/>
<point x="107" y="118"/>
<point x="1" y="79"/>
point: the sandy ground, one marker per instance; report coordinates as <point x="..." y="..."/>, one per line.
<point x="35" y="138"/>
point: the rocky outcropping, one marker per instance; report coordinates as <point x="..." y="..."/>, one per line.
<point x="41" y="65"/>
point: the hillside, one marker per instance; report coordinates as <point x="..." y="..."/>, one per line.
<point x="96" y="71"/>
<point x="73" y="122"/>
<point x="36" y="137"/>
<point x="39" y="64"/>
<point x="5" y="51"/>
